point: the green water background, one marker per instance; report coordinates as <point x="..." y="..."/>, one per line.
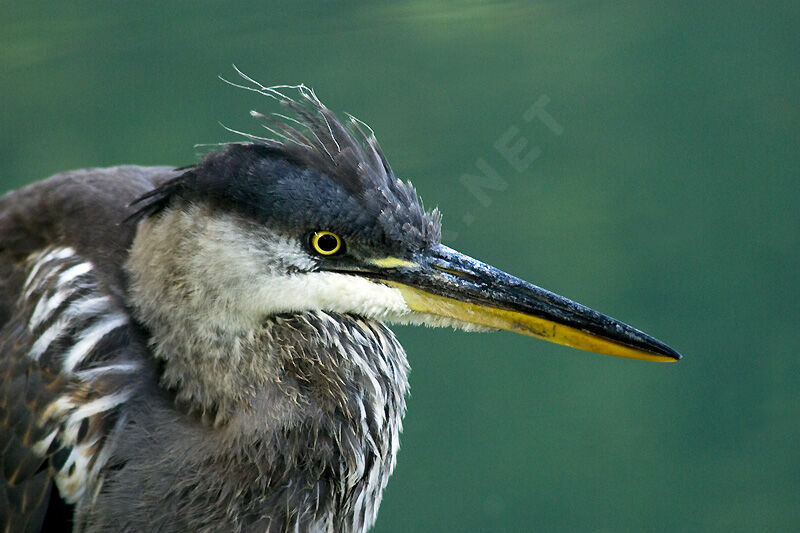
<point x="663" y="190"/>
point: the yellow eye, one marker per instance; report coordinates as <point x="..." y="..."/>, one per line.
<point x="326" y="243"/>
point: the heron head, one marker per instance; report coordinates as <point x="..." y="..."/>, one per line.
<point x="314" y="219"/>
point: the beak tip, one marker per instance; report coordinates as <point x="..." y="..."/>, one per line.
<point x="673" y="356"/>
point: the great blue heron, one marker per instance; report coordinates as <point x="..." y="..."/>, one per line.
<point x="204" y="348"/>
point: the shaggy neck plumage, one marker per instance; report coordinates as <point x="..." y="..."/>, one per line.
<point x="191" y="275"/>
<point x="318" y="396"/>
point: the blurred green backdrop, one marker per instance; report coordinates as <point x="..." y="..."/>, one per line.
<point x="663" y="191"/>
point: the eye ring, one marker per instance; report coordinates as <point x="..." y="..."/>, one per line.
<point x="326" y="243"/>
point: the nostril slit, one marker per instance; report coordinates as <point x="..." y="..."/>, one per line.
<point x="458" y="273"/>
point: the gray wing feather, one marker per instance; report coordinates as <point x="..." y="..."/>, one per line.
<point x="81" y="211"/>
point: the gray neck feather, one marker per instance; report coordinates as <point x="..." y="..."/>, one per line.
<point x="327" y="384"/>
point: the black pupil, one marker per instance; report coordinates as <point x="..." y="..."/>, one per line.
<point x="327" y="242"/>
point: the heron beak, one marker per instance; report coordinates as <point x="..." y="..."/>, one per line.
<point x="446" y="283"/>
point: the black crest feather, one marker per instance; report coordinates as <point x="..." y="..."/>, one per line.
<point x="309" y="137"/>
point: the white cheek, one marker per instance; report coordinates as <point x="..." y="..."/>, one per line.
<point x="327" y="291"/>
<point x="243" y="278"/>
<point x="340" y="293"/>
